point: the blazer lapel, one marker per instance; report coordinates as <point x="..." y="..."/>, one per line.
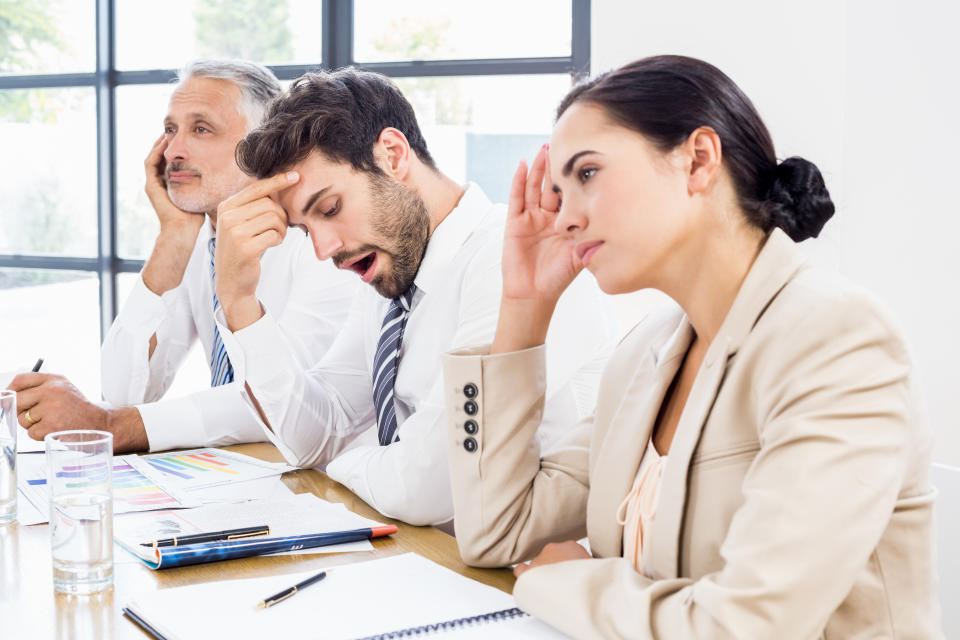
<point x="775" y="266"/>
<point x="663" y="559"/>
<point x="626" y="437"/>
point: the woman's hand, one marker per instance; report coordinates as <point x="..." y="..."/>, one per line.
<point x="538" y="263"/>
<point x="554" y="552"/>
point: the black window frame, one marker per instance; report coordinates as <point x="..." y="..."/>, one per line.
<point x="337" y="51"/>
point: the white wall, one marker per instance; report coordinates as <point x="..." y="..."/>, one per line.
<point x="870" y="91"/>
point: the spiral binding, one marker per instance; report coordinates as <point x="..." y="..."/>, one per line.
<point x="437" y="627"/>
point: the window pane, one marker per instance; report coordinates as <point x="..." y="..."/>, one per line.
<point x="47" y="36"/>
<point x="441" y="30"/>
<point x="265" y="31"/>
<point x="476" y="135"/>
<point x="48" y="195"/>
<point x="140" y="113"/>
<point x="54" y="315"/>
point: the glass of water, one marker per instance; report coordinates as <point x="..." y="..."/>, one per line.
<point x="8" y="456"/>
<point x="79" y="472"/>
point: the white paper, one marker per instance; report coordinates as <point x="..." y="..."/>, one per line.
<point x="28" y="514"/>
<point x="131" y="491"/>
<point x="197" y="469"/>
<point x="271" y="488"/>
<point x="356" y="600"/>
<point x="298" y="515"/>
<point x="26" y="444"/>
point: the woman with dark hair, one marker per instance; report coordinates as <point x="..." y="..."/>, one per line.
<point x="757" y="463"/>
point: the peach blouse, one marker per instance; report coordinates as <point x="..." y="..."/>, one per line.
<point x="638" y="509"/>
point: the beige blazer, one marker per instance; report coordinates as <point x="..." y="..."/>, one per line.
<point x="794" y="503"/>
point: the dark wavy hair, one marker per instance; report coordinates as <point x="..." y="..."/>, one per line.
<point x="340" y="113"/>
<point x="666" y="98"/>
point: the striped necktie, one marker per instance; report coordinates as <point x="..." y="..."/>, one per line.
<point x="221" y="371"/>
<point x="385" y="365"/>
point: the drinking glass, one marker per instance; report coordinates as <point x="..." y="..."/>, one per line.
<point x="79" y="471"/>
<point x="8" y="456"/>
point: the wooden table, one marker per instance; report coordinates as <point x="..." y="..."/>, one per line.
<point x="30" y="609"/>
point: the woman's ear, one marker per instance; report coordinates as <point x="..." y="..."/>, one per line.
<point x="392" y="153"/>
<point x="704" y="153"/>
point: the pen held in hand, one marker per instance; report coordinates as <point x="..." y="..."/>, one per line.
<point x="213" y="536"/>
<point x="286" y="593"/>
<point x="37" y="366"/>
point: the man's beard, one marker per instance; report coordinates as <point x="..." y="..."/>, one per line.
<point x="402" y="223"/>
<point x="206" y="194"/>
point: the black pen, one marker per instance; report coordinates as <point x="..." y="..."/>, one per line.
<point x="37" y="366"/>
<point x="286" y="593"/>
<point x="213" y="536"/>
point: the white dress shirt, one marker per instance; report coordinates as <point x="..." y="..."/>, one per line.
<point x="326" y="415"/>
<point x="308" y="297"/>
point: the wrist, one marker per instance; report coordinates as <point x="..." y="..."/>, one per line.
<point x="240" y="312"/>
<point x="127" y="428"/>
<point x="168" y="261"/>
<point x="523" y="324"/>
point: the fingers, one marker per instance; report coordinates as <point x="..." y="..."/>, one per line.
<point x="535" y="180"/>
<point x="153" y="160"/>
<point x="155" y="151"/>
<point x="27" y="381"/>
<point x="28" y="399"/>
<point x="230" y="218"/>
<point x="520" y="569"/>
<point x="267" y="229"/>
<point x="549" y="199"/>
<point x="515" y="201"/>
<point x="259" y="189"/>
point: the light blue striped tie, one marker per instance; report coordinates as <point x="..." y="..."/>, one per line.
<point x="385" y="365"/>
<point x="221" y="371"/>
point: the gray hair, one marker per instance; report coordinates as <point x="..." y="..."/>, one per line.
<point x="258" y="85"/>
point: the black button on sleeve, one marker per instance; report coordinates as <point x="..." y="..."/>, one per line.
<point x="471" y="408"/>
<point x="471" y="427"/>
<point x="470" y="445"/>
<point x="470" y="390"/>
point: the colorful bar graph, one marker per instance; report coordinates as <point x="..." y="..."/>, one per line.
<point x="191" y="465"/>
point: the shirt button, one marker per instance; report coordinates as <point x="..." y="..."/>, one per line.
<point x="471" y="408"/>
<point x="471" y="427"/>
<point x="470" y="445"/>
<point x="470" y="390"/>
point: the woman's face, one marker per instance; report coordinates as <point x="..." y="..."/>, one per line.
<point x="625" y="204"/>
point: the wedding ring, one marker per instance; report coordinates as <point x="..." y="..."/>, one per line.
<point x="26" y="414"/>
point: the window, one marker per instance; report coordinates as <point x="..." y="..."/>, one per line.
<point x="83" y="91"/>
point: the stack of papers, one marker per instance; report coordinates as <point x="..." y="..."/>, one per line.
<point x="301" y="514"/>
<point x="162" y="481"/>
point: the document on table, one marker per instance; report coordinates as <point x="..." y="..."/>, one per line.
<point x="405" y="593"/>
<point x="197" y="469"/>
<point x="132" y="491"/>
<point x="26" y="444"/>
<point x="300" y="514"/>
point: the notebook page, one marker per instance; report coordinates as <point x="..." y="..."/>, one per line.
<point x="357" y="600"/>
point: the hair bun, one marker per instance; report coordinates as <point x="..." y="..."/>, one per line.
<point x="797" y="200"/>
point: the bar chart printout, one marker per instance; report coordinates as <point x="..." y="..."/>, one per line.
<point x="132" y="490"/>
<point x="203" y="468"/>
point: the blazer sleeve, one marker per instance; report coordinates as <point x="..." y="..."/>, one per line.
<point x="836" y="437"/>
<point x="508" y="502"/>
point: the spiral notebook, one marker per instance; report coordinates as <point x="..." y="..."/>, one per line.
<point x="397" y="597"/>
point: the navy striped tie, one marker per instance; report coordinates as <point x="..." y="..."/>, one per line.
<point x="385" y="365"/>
<point x="221" y="371"/>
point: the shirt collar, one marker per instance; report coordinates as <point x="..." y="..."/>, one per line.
<point x="449" y="237"/>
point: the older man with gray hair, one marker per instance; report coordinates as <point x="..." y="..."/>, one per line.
<point x="189" y="171"/>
